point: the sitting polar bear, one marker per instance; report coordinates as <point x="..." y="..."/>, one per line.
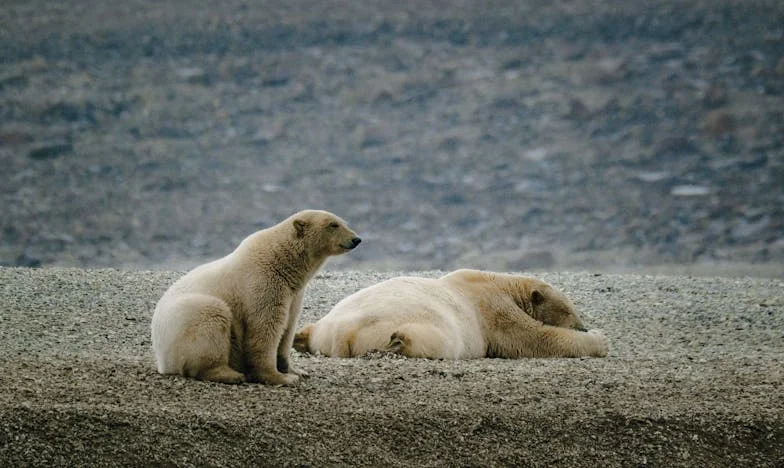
<point x="233" y="319"/>
<point x="466" y="314"/>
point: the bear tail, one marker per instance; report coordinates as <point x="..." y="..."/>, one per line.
<point x="302" y="339"/>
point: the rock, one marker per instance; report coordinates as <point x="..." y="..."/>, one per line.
<point x="275" y="78"/>
<point x="745" y="228"/>
<point x="665" y="52"/>
<point x="271" y="188"/>
<point x="714" y="96"/>
<point x="532" y="260"/>
<point x="268" y="132"/>
<point x="653" y="176"/>
<point x="386" y="88"/>
<point x="577" y="109"/>
<point x="12" y="80"/>
<point x="34" y="65"/>
<point x="453" y="198"/>
<point x="514" y="64"/>
<point x="193" y="75"/>
<point x="450" y="144"/>
<point x="237" y="69"/>
<point x="70" y="112"/>
<point x="27" y="261"/>
<point x="690" y="191"/>
<point x="169" y="131"/>
<point x="536" y="154"/>
<point x="507" y="104"/>
<point x="366" y="136"/>
<point x="50" y="150"/>
<point x="15" y="137"/>
<point x="301" y="92"/>
<point x="609" y="70"/>
<point x="756" y="162"/>
<point x="675" y="145"/>
<point x="718" y="123"/>
<point x="569" y="50"/>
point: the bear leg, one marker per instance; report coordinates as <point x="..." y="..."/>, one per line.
<point x="193" y="336"/>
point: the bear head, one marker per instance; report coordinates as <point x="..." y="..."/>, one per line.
<point x="536" y="298"/>
<point x="550" y="306"/>
<point x="324" y="233"/>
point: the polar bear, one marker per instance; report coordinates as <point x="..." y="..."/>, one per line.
<point x="233" y="320"/>
<point x="465" y="314"/>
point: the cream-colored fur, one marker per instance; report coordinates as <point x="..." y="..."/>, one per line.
<point x="463" y="315"/>
<point x="233" y="319"/>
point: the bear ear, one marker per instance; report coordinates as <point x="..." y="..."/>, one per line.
<point x="537" y="298"/>
<point x="300" y="226"/>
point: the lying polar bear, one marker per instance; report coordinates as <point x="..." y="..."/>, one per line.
<point x="466" y="314"/>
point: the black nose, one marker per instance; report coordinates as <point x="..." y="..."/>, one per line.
<point x="355" y="241"/>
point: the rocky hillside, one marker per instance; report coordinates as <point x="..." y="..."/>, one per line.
<point x="503" y="134"/>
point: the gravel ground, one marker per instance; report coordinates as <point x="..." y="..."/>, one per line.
<point x="694" y="378"/>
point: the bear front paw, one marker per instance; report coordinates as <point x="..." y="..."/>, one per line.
<point x="298" y="371"/>
<point x="600" y="346"/>
<point x="287" y="380"/>
<point x="276" y="378"/>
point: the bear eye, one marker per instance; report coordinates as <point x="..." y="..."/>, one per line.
<point x="334" y="225"/>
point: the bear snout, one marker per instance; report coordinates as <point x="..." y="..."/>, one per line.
<point x="351" y="244"/>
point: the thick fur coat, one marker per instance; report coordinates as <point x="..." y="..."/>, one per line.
<point x="466" y="314"/>
<point x="233" y="320"/>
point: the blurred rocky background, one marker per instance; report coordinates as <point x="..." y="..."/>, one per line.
<point x="511" y="135"/>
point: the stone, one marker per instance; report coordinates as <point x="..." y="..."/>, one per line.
<point x="27" y="261"/>
<point x="50" y="150"/>
<point x="193" y="75"/>
<point x="715" y="96"/>
<point x="532" y="260"/>
<point x="718" y="123"/>
<point x="690" y="191"/>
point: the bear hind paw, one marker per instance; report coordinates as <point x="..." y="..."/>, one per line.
<point x="398" y="342"/>
<point x="222" y="374"/>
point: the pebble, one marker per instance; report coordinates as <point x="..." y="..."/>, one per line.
<point x="690" y="191"/>
<point x="50" y="150"/>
